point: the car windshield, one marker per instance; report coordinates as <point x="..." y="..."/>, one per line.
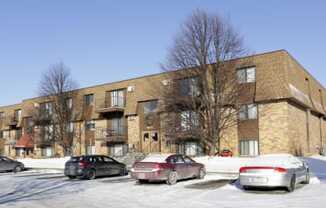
<point x="75" y="159"/>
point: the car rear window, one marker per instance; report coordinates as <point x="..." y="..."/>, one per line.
<point x="75" y="159"/>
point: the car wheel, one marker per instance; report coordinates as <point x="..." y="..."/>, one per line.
<point x="172" y="178"/>
<point x="201" y="174"/>
<point x="245" y="188"/>
<point x="18" y="169"/>
<point x="141" y="181"/>
<point x="307" y="181"/>
<point x="91" y="174"/>
<point x="71" y="177"/>
<point x="292" y="184"/>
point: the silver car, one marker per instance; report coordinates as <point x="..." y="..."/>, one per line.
<point x="274" y="171"/>
<point x="8" y="164"/>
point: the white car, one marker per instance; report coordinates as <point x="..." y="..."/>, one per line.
<point x="283" y="170"/>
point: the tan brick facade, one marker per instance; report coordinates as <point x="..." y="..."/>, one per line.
<point x="291" y="114"/>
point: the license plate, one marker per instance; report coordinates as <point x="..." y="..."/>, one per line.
<point x="141" y="175"/>
<point x="257" y="180"/>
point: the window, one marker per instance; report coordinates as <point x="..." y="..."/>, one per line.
<point x="90" y="150"/>
<point x="90" y="125"/>
<point x="150" y="106"/>
<point x="117" y="98"/>
<point x="248" y="112"/>
<point x="47" y="152"/>
<point x="89" y="99"/>
<point x="70" y="127"/>
<point x="190" y="148"/>
<point x="46" y="109"/>
<point x="69" y="103"/>
<point x="17" y="115"/>
<point x="117" y="150"/>
<point x="189" y="86"/>
<point x="29" y="124"/>
<point x="18" y="134"/>
<point x="188" y="159"/>
<point x="2" y="115"/>
<point x="117" y="126"/>
<point x="249" y="148"/>
<point x="1" y="134"/>
<point x="48" y="132"/>
<point x="189" y="120"/>
<point x="246" y="75"/>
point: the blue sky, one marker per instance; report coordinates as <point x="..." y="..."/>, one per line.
<point x="104" y="41"/>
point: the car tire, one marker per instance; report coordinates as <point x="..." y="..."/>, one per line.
<point x="307" y="181"/>
<point x="201" y="174"/>
<point x="172" y="178"/>
<point x="72" y="177"/>
<point x="141" y="181"/>
<point x="91" y="174"/>
<point x="291" y="187"/>
<point x="246" y="188"/>
<point x="18" y="169"/>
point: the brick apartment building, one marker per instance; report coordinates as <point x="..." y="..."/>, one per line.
<point x="284" y="112"/>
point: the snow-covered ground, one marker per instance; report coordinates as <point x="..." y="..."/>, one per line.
<point x="49" y="188"/>
<point x="51" y="163"/>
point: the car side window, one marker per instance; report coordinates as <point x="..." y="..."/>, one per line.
<point x="188" y="160"/>
<point x="179" y="160"/>
<point x="107" y="159"/>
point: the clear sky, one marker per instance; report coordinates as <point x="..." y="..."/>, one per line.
<point x="104" y="41"/>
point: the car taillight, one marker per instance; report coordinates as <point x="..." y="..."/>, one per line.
<point x="157" y="167"/>
<point x="276" y="169"/>
<point x="280" y="170"/>
<point x="83" y="164"/>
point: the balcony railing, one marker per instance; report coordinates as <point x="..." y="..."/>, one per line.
<point x="106" y="106"/>
<point x="112" y="134"/>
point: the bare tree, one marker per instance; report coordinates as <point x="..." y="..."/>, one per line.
<point x="58" y="90"/>
<point x="202" y="99"/>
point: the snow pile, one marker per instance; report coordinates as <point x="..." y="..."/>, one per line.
<point x="49" y="163"/>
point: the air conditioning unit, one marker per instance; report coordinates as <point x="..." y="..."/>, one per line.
<point x="165" y="82"/>
<point x="130" y="88"/>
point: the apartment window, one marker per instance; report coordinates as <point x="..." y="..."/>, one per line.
<point x="117" y="98"/>
<point x="29" y="124"/>
<point x="150" y="107"/>
<point x="17" y="115"/>
<point x="70" y="127"/>
<point x="246" y="75"/>
<point x="248" y="112"/>
<point x="47" y="152"/>
<point x="48" y="132"/>
<point x="118" y="150"/>
<point x="90" y="150"/>
<point x="18" y="134"/>
<point x="117" y="126"/>
<point x="189" y="86"/>
<point x="189" y="120"/>
<point x="2" y="115"/>
<point x="89" y="99"/>
<point x="1" y="134"/>
<point x="46" y="108"/>
<point x="90" y="125"/>
<point x="69" y="103"/>
<point x="249" y="147"/>
<point x="190" y="148"/>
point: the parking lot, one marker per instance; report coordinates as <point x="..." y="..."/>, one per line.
<point x="49" y="188"/>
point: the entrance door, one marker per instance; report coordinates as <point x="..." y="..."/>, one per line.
<point x="150" y="142"/>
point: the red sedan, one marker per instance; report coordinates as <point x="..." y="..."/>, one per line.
<point x="169" y="168"/>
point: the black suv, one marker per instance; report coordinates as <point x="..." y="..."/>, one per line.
<point x="91" y="166"/>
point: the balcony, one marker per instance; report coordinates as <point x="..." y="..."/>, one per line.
<point x="111" y="135"/>
<point x="117" y="106"/>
